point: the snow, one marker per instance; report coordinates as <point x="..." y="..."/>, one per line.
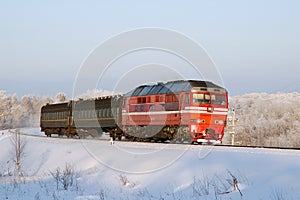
<point x="129" y="170"/>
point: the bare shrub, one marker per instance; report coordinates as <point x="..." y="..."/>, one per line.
<point x="123" y="180"/>
<point x="101" y="194"/>
<point x="201" y="186"/>
<point x="18" y="144"/>
<point x="65" y="177"/>
<point x="144" y="194"/>
<point x="218" y="185"/>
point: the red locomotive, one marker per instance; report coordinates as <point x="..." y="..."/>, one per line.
<point x="183" y="111"/>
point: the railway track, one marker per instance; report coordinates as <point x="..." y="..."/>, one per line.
<point x="259" y="147"/>
<point x="107" y="139"/>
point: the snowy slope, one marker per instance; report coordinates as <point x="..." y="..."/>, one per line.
<point x="128" y="170"/>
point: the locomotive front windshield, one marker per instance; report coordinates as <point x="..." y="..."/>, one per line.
<point x="201" y="98"/>
<point x="217" y="99"/>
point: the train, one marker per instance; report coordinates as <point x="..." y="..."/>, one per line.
<point x="192" y="111"/>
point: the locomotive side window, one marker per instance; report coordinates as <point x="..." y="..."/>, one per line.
<point x="156" y="98"/>
<point x="171" y="98"/>
<point x="161" y="99"/>
<point x="142" y="100"/>
<point x="201" y="98"/>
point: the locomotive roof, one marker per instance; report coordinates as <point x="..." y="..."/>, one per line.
<point x="173" y="87"/>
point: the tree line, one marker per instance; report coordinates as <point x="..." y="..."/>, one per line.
<point x="23" y="112"/>
<point x="266" y="119"/>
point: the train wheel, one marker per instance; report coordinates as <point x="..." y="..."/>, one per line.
<point x="182" y="136"/>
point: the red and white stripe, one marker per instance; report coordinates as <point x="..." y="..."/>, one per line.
<point x="188" y="110"/>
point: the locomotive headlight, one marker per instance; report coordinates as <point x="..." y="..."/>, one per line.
<point x="210" y="109"/>
<point x="201" y="121"/>
<point x="221" y="122"/>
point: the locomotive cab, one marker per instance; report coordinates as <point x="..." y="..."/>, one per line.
<point x="208" y="112"/>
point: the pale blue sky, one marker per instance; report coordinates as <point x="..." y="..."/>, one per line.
<point x="255" y="44"/>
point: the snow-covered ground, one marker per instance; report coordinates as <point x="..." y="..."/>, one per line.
<point x="127" y="170"/>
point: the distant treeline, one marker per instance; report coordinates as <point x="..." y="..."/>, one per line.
<point x="24" y="112"/>
<point x="266" y="119"/>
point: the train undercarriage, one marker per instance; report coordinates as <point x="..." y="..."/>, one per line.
<point x="153" y="133"/>
<point x="178" y="134"/>
<point x="74" y="132"/>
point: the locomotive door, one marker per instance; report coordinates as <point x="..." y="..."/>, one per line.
<point x="172" y="108"/>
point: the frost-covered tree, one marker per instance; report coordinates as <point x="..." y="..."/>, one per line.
<point x="60" y="97"/>
<point x="25" y="112"/>
<point x="6" y="104"/>
<point x="94" y="93"/>
<point x="267" y="119"/>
